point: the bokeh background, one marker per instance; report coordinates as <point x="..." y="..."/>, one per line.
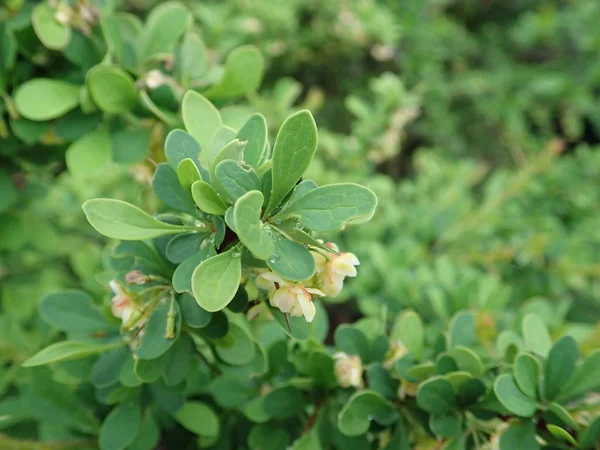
<point x="476" y="122"/>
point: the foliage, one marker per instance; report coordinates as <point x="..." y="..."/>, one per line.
<point x="211" y="313"/>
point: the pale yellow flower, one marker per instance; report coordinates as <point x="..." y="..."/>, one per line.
<point x="122" y="304"/>
<point x="348" y="370"/>
<point x="397" y="350"/>
<point x="332" y="271"/>
<point x="291" y="298"/>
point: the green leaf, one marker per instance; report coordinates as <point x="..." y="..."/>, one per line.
<point x="350" y="340"/>
<point x="527" y="374"/>
<point x="560" y="366"/>
<point x="236" y="348"/>
<point x="330" y="208"/>
<point x="462" y="329"/>
<point x="512" y="398"/>
<point x="223" y="137"/>
<point x="242" y="74"/>
<point x="166" y="23"/>
<point x="519" y="435"/>
<point x="268" y="437"/>
<point x="89" y="154"/>
<point x="248" y="226"/>
<point x="408" y="328"/>
<point x="294" y="149"/>
<point x="127" y="376"/>
<point x="169" y="190"/>
<point x="201" y="118"/>
<point x="188" y="173"/>
<point x="586" y="378"/>
<point x="445" y="426"/>
<point x="299" y="328"/>
<point x="557" y="412"/>
<point x="72" y="311"/>
<point x="182" y="278"/>
<point x="192" y="58"/>
<point x="43" y="99"/>
<point x="591" y="435"/>
<point x="193" y="315"/>
<point x="291" y="260"/>
<point x="215" y="281"/>
<point x="149" y="370"/>
<point x="130" y="145"/>
<point x="149" y="434"/>
<point x="235" y="180"/>
<point x="49" y="31"/>
<point x="536" y="335"/>
<point x="121" y="426"/>
<point x="154" y="343"/>
<point x="107" y="368"/>
<point x="436" y="396"/>
<point x="184" y="246"/>
<point x="120" y="220"/>
<point x="423" y="371"/>
<point x="112" y="89"/>
<point x="284" y="402"/>
<point x="180" y="145"/>
<point x="240" y="301"/>
<point x="66" y="351"/>
<point x="355" y="416"/>
<point x="254" y="131"/>
<point x="207" y="198"/>
<point x="233" y="151"/>
<point x="198" y="418"/>
<point x="178" y="360"/>
<point x="467" y="360"/>
<point x="561" y="434"/>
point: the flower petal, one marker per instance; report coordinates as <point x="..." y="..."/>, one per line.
<point x="308" y="307"/>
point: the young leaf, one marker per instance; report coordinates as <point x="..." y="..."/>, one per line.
<point x="233" y="150"/>
<point x="462" y="329"/>
<point x="527" y="374"/>
<point x="45" y="99"/>
<point x="249" y="227"/>
<point x="254" y="131"/>
<point x="169" y="190"/>
<point x="112" y="89"/>
<point x="207" y="198"/>
<point x="187" y="173"/>
<point x="560" y="366"/>
<point x="120" y="220"/>
<point x="53" y="34"/>
<point x="295" y="147"/>
<point x="201" y="118"/>
<point x="291" y="260"/>
<point x="66" y="351"/>
<point x="242" y="74"/>
<point x="512" y="398"/>
<point x="180" y="145"/>
<point x="331" y="208"/>
<point x="234" y="180"/>
<point x="192" y="58"/>
<point x="408" y="328"/>
<point x="215" y="281"/>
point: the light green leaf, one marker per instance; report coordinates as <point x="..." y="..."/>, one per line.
<point x="331" y="208"/>
<point x="356" y="415"/>
<point x="436" y="396"/>
<point x="560" y="366"/>
<point x="249" y="227"/>
<point x="512" y="398"/>
<point x="467" y="360"/>
<point x="462" y="329"/>
<point x="586" y="378"/>
<point x="291" y="260"/>
<point x="561" y="434"/>
<point x="89" y="154"/>
<point x="66" y="351"/>
<point x="188" y="173"/>
<point x="256" y="133"/>
<point x="121" y="426"/>
<point x="120" y="220"/>
<point x="202" y="120"/>
<point x="166" y="23"/>
<point x="180" y="145"/>
<point x="182" y="277"/>
<point x="536" y="335"/>
<point x="233" y="151"/>
<point x="215" y="281"/>
<point x="235" y="180"/>
<point x="44" y="99"/>
<point x="294" y="149"/>
<point x="53" y="34"/>
<point x="112" y="89"/>
<point x="527" y="374"/>
<point x="408" y="328"/>
<point x="198" y="418"/>
<point x="242" y="74"/>
<point x="352" y="341"/>
<point x="73" y="311"/>
<point x="167" y="187"/>
<point x="207" y="198"/>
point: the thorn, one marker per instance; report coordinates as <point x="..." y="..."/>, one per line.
<point x="287" y="321"/>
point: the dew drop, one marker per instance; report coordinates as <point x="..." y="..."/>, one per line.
<point x="236" y="254"/>
<point x="274" y="258"/>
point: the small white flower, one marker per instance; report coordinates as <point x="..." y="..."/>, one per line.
<point x="348" y="370"/>
<point x="332" y="272"/>
<point x="154" y="79"/>
<point x="122" y="305"/>
<point x="292" y="298"/>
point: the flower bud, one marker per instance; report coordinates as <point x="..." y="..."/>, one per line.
<point x="136" y="277"/>
<point x="348" y="370"/>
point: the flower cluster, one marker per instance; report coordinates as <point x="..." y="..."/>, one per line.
<point x="296" y="298"/>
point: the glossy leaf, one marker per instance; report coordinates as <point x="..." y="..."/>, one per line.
<point x="201" y="118"/>
<point x="53" y="34"/>
<point x="235" y="180"/>
<point x="512" y="398"/>
<point x="215" y="281"/>
<point x="249" y="227"/>
<point x="256" y="133"/>
<point x="207" y="198"/>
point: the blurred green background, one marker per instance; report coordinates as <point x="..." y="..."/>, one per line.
<point x="476" y="122"/>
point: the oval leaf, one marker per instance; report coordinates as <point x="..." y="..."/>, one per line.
<point x="207" y="198"/>
<point x="112" y="89"/>
<point x="512" y="398"/>
<point x="44" y="99"/>
<point x="249" y="228"/>
<point x="291" y="260"/>
<point x="215" y="281"/>
<point x="66" y="351"/>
